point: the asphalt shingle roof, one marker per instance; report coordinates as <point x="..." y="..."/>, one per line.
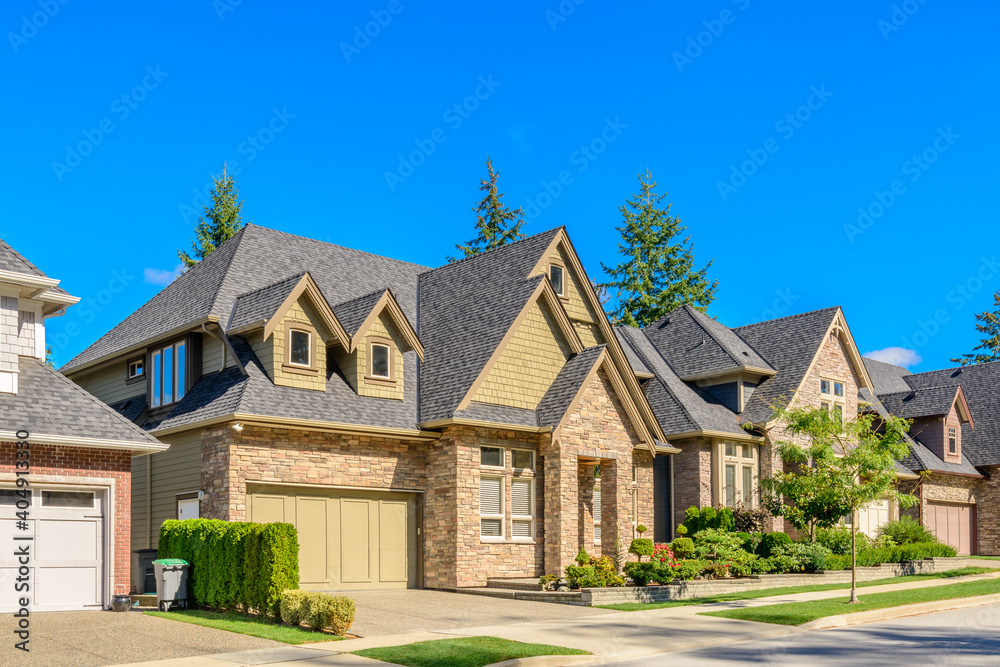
<point x="695" y="344"/>
<point x="351" y="314"/>
<point x="565" y="387"/>
<point x="923" y="402"/>
<point x="500" y="414"/>
<point x="466" y="308"/>
<point x="253" y="258"/>
<point x="887" y="378"/>
<point x="790" y="343"/>
<point x="261" y="304"/>
<point x="13" y="261"/>
<point x="48" y="403"/>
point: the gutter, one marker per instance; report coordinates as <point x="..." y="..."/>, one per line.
<point x="306" y="424"/>
<point x="459" y="421"/>
<point x="743" y="437"/>
<point x="93" y="443"/>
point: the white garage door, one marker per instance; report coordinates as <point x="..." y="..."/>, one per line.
<point x="66" y="527"/>
<point x="872" y="518"/>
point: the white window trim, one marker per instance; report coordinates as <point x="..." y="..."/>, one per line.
<point x="501" y="516"/>
<point x="132" y="365"/>
<point x="530" y="453"/>
<point x="524" y="517"/>
<point x="740" y="462"/>
<point x="388" y="363"/>
<point x="309" y="348"/>
<point x="563" y="269"/>
<point x="503" y="458"/>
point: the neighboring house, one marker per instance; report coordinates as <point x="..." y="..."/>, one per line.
<point x="714" y="390"/>
<point x="955" y="446"/>
<point x="65" y="496"/>
<point x="420" y="427"/>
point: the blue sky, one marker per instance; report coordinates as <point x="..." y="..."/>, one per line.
<point x="768" y="126"/>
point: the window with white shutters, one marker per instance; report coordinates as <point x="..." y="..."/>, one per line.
<point x="491" y="506"/>
<point x="521" y="514"/>
<point x="597" y="516"/>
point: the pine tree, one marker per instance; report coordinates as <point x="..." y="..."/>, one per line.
<point x="657" y="274"/>
<point x="496" y="225"/>
<point x="987" y="323"/>
<point x="219" y="222"/>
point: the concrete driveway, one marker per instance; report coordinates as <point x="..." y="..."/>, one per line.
<point x="86" y="638"/>
<point x="395" y="612"/>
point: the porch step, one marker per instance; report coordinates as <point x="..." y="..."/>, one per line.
<point x="514" y="584"/>
<point x="144" y="600"/>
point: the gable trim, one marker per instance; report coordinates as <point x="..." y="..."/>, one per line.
<point x="308" y="286"/>
<point x="962" y="407"/>
<point x="388" y="302"/>
<point x="542" y="291"/>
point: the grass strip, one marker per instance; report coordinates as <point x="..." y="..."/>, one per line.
<point x="797" y="613"/>
<point x="790" y="590"/>
<point x="462" y="652"/>
<point x="246" y="625"/>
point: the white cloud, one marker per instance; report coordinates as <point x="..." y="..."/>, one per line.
<point x="900" y="356"/>
<point x="162" y="277"/>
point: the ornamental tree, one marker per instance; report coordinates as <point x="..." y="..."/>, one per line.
<point x="987" y="323"/>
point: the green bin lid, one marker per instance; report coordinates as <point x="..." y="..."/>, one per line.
<point x="171" y="561"/>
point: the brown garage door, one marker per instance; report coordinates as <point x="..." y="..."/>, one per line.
<point x="347" y="539"/>
<point x="953" y="524"/>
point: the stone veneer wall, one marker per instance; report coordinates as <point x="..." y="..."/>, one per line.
<point x="989" y="513"/>
<point x="692" y="475"/>
<point x="66" y="464"/>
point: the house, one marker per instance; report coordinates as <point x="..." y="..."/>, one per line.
<point x="714" y="390"/>
<point x="64" y="496"/>
<point x="419" y="426"/>
<point x="954" y="447"/>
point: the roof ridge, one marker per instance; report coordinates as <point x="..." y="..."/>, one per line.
<point x="494" y="250"/>
<point x="786" y="317"/>
<point x="272" y="285"/>
<point x="335" y="245"/>
<point x="237" y="239"/>
<point x="954" y="368"/>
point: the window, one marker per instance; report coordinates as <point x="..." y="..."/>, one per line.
<point x="557" y="276"/>
<point x="952" y="440"/>
<point x="491" y="456"/>
<point x="380" y="355"/>
<point x="522" y="518"/>
<point x="597" y="514"/>
<point x="838" y="389"/>
<point x="299" y="348"/>
<point x="833" y="398"/>
<point x="739" y="472"/>
<point x="523" y="459"/>
<point x="838" y="413"/>
<point x="10" y="497"/>
<point x="136" y="368"/>
<point x="169" y="374"/>
<point x="67" y="498"/>
<point x="824" y="386"/>
<point x="491" y="507"/>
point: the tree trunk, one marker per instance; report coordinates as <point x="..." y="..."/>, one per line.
<point x="854" y="561"/>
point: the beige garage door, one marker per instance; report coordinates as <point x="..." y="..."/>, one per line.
<point x="347" y="540"/>
<point x="953" y="524"/>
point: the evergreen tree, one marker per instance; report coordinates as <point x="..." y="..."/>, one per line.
<point x="219" y="222"/>
<point x="657" y="274"/>
<point x="496" y="225"/>
<point x="987" y="323"/>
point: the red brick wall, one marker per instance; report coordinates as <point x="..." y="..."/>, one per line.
<point x="69" y="463"/>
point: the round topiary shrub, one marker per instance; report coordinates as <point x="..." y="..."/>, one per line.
<point x="770" y="542"/>
<point x="641" y="547"/>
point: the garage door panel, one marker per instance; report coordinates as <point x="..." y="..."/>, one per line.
<point x="952" y="524"/>
<point x="310" y="516"/>
<point x="56" y="535"/>
<point x="269" y="509"/>
<point x="355" y="540"/>
<point x="67" y="586"/>
<point x="393" y="526"/>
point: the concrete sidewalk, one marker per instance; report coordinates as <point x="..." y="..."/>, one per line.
<point x="614" y="636"/>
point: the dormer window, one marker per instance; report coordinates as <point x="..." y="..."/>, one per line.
<point x="167" y="384"/>
<point x="300" y="344"/>
<point x="300" y="348"/>
<point x="381" y="357"/>
<point x="557" y="276"/>
<point x="952" y="440"/>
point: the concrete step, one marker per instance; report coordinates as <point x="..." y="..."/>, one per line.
<point x="514" y="584"/>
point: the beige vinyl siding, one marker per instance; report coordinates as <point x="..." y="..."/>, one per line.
<point x="108" y="384"/>
<point x="381" y="328"/>
<point x="211" y="355"/>
<point x="576" y="305"/>
<point x="528" y="364"/>
<point x="177" y="470"/>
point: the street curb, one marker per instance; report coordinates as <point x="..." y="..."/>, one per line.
<point x="551" y="661"/>
<point x="903" y="611"/>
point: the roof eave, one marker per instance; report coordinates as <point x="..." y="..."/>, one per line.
<point x="89" y="443"/>
<point x="306" y="424"/>
<point x="729" y="371"/>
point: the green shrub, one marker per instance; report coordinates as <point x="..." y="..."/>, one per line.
<point x="838" y="540"/>
<point x="682" y="530"/>
<point x="906" y="530"/>
<point x="770" y="542"/>
<point x="813" y="556"/>
<point x="333" y="612"/>
<point x="642" y="573"/>
<point x="641" y="547"/>
<point x="234" y="565"/>
<point x="582" y="557"/>
<point x="749" y="519"/>
<point x="600" y="573"/>
<point x="294" y="607"/>
<point x="837" y="562"/>
<point x="692" y="520"/>
<point x="724" y="520"/>
<point x="548" y="582"/>
<point x="577" y="573"/>
<point x="683" y="547"/>
<point x="689" y="569"/>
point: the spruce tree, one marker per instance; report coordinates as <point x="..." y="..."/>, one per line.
<point x="496" y="225"/>
<point x="987" y="323"/>
<point x="219" y="222"/>
<point x="658" y="272"/>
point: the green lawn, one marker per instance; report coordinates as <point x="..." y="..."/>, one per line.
<point x="797" y="613"/>
<point x="462" y="652"/>
<point x="246" y="625"/>
<point x="789" y="590"/>
<point x="986" y="557"/>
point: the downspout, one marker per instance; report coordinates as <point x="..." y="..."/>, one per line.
<point x="149" y="501"/>
<point x="673" y="517"/>
<point x="224" y="346"/>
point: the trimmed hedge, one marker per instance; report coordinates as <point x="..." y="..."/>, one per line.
<point x="234" y="565"/>
<point x="317" y="610"/>
<point x="870" y="556"/>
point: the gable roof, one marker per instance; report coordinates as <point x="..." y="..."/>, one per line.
<point x="887" y="378"/>
<point x="925" y="402"/>
<point x="791" y="343"/>
<point x="696" y="346"/>
<point x="57" y="410"/>
<point x="353" y="313"/>
<point x="252" y="259"/>
<point x="559" y="396"/>
<point x="258" y="306"/>
<point x="362" y="312"/>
